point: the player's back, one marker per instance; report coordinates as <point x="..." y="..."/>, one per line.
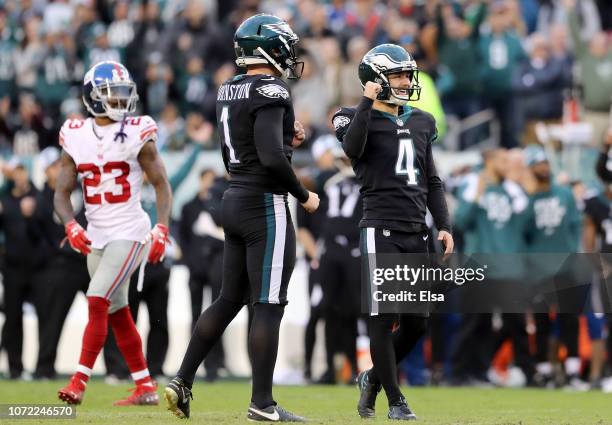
<point x="343" y="208"/>
<point x="111" y="175"/>
<point x="238" y="102"/>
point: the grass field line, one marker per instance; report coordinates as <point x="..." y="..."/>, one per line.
<point x="227" y="402"/>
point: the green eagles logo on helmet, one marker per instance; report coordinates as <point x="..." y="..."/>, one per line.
<point x="388" y="59"/>
<point x="266" y="39"/>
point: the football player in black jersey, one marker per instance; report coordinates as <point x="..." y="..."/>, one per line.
<point x="389" y="144"/>
<point x="339" y="258"/>
<point x="258" y="132"/>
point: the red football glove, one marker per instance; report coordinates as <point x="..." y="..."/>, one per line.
<point x="158" y="238"/>
<point x="77" y="237"/>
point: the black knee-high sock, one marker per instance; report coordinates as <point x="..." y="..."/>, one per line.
<point x="310" y="338"/>
<point x="206" y="333"/>
<point x="263" y="348"/>
<point x="348" y="336"/>
<point x="331" y="342"/>
<point x="411" y="329"/>
<point x="383" y="356"/>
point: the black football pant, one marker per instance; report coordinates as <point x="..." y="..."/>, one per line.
<point x="340" y="280"/>
<point x="392" y="336"/>
<point x="155" y="295"/>
<point x="57" y="287"/>
<point x="19" y="286"/>
<point x="316" y="314"/>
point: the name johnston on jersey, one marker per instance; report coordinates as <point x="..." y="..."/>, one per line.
<point x="234" y="92"/>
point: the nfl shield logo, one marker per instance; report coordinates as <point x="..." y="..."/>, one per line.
<point x="400" y="122"/>
<point x="387" y="232"/>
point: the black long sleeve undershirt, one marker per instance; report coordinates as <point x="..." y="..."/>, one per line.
<point x="268" y="137"/>
<point x="357" y="132"/>
<point x="436" y="202"/>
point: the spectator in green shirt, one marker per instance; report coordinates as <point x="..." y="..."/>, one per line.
<point x="8" y="48"/>
<point x="595" y="74"/>
<point x="492" y="210"/>
<point x="554" y="224"/>
<point x="459" y="83"/>
<point x="554" y="227"/>
<point x="55" y="72"/>
<point x="501" y="51"/>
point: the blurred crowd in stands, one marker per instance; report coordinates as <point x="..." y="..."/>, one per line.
<point x="522" y="82"/>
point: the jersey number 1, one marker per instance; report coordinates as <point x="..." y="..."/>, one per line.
<point x="226" y="135"/>
<point x="405" y="161"/>
<point x="94" y="177"/>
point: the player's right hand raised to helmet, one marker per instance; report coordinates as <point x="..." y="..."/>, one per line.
<point x="372" y="89"/>
<point x="312" y="203"/>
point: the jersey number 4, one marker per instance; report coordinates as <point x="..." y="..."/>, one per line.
<point x="95" y="176"/>
<point x="405" y="161"/>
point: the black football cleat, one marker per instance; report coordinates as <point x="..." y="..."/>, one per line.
<point x="273" y="413"/>
<point x="368" y="392"/>
<point x="400" y="411"/>
<point x="177" y="396"/>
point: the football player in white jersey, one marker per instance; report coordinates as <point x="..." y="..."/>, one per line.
<point x="110" y="151"/>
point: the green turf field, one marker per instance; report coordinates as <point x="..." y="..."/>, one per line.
<point x="226" y="403"/>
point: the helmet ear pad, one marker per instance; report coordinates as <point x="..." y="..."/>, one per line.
<point x="95" y="107"/>
<point x="385" y="92"/>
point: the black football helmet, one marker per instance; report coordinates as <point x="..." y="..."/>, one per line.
<point x="387" y="59"/>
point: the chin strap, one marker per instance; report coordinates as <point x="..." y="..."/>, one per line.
<point x="121" y="134"/>
<point x="270" y="60"/>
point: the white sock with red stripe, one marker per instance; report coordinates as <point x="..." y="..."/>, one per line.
<point x="83" y="373"/>
<point x="142" y="377"/>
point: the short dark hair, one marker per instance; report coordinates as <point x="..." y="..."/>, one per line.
<point x="206" y="171"/>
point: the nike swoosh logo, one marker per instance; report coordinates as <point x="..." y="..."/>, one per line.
<point x="425" y="237"/>
<point x="270" y="416"/>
